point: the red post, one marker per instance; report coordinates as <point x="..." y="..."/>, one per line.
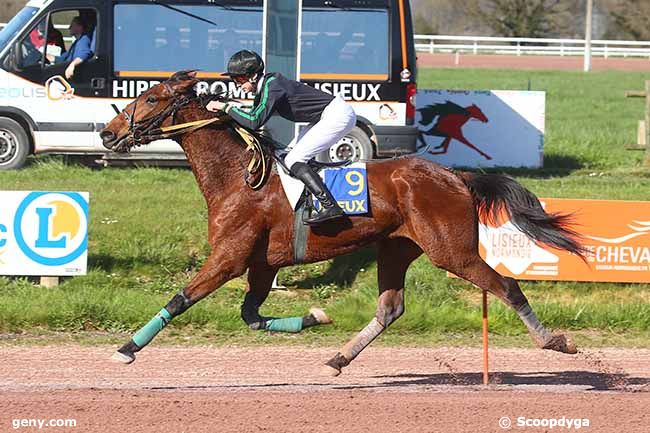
<point x="486" y="376"/>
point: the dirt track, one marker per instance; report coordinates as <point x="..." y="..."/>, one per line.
<point x="568" y="63"/>
<point x="203" y="389"/>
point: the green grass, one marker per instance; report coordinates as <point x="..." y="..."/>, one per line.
<point x="148" y="237"/>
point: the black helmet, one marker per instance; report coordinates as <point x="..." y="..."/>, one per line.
<point x="246" y="63"/>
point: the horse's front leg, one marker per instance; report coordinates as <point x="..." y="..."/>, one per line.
<point x="220" y="268"/>
<point x="260" y="279"/>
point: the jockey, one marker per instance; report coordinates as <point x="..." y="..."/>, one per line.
<point x="329" y="118"/>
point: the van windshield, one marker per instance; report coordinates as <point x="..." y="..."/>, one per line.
<point x="16" y="24"/>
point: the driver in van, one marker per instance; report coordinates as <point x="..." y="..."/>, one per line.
<point x="80" y="50"/>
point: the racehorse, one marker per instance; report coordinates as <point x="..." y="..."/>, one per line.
<point x="451" y="119"/>
<point x="416" y="206"/>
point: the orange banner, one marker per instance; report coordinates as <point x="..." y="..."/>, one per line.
<point x="617" y="234"/>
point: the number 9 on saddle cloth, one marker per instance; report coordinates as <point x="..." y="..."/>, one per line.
<point x="348" y="182"/>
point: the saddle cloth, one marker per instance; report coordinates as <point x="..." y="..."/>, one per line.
<point x="349" y="186"/>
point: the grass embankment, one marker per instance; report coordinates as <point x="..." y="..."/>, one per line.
<point x="148" y="229"/>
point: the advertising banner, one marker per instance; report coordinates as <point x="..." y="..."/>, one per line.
<point x="482" y="128"/>
<point x="616" y="233"/>
<point x="43" y="233"/>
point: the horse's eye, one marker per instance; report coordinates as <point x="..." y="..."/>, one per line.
<point x="151" y="99"/>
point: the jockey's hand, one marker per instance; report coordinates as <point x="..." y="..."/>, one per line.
<point x="216" y="106"/>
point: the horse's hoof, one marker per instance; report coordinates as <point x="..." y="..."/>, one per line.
<point x="122" y="358"/>
<point x="330" y="371"/>
<point x="561" y="343"/>
<point x="320" y="315"/>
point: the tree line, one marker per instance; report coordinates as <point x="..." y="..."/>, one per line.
<point x="613" y="19"/>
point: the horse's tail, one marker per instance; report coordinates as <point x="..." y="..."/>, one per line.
<point x="497" y="195"/>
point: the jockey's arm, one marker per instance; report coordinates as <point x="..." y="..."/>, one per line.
<point x="258" y="115"/>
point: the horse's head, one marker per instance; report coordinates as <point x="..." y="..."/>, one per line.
<point x="137" y="123"/>
<point x="476" y="113"/>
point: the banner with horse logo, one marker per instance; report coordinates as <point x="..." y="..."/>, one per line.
<point x="43" y="233"/>
<point x="482" y="128"/>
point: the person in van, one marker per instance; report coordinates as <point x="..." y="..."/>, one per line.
<point x="54" y="37"/>
<point x="80" y="50"/>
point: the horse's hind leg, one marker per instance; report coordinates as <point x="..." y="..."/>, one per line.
<point x="463" y="260"/>
<point x="452" y="244"/>
<point x="393" y="259"/>
<point x="260" y="279"/>
<point x="507" y="289"/>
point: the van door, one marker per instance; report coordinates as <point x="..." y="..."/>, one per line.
<point x="62" y="103"/>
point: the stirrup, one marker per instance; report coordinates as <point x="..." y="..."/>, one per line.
<point x="325" y="214"/>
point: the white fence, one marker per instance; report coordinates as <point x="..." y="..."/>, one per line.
<point x="529" y="46"/>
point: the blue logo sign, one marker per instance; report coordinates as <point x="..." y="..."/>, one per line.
<point x="3" y="240"/>
<point x="52" y="228"/>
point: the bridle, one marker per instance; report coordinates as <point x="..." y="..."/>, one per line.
<point x="148" y="129"/>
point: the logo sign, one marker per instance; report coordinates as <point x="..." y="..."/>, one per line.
<point x="349" y="186"/>
<point x="43" y="233"/>
<point x="58" y="88"/>
<point x="481" y="128"/>
<point x="616" y="233"/>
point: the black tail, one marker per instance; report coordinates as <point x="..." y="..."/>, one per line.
<point x="497" y="195"/>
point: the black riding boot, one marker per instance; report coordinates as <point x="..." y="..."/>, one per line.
<point x="329" y="207"/>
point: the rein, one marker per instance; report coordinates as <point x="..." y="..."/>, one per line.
<point x="149" y="130"/>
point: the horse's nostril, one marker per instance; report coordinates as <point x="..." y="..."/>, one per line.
<point x="107" y="135"/>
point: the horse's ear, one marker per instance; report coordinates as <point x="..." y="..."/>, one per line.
<point x="183" y="81"/>
<point x="185" y="75"/>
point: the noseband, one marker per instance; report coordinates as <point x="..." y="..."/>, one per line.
<point x="148" y="130"/>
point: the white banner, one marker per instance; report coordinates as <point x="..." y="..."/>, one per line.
<point x="482" y="128"/>
<point x="43" y="233"/>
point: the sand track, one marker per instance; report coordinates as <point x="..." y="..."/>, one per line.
<point x="207" y="389"/>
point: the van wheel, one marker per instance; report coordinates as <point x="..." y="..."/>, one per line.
<point x="14" y="144"/>
<point x="355" y="146"/>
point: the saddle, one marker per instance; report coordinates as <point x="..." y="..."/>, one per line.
<point x="263" y="150"/>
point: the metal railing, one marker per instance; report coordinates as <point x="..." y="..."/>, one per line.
<point x="529" y="46"/>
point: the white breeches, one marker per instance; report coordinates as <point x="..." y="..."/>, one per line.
<point x="338" y="119"/>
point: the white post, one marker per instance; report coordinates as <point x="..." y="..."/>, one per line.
<point x="588" y="22"/>
<point x="431" y="45"/>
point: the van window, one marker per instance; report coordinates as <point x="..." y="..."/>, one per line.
<point x="151" y="37"/>
<point x="338" y="41"/>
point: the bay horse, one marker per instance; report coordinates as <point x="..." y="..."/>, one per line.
<point x="416" y="207"/>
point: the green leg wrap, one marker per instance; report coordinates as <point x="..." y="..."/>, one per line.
<point x="151" y="329"/>
<point x="289" y="324"/>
